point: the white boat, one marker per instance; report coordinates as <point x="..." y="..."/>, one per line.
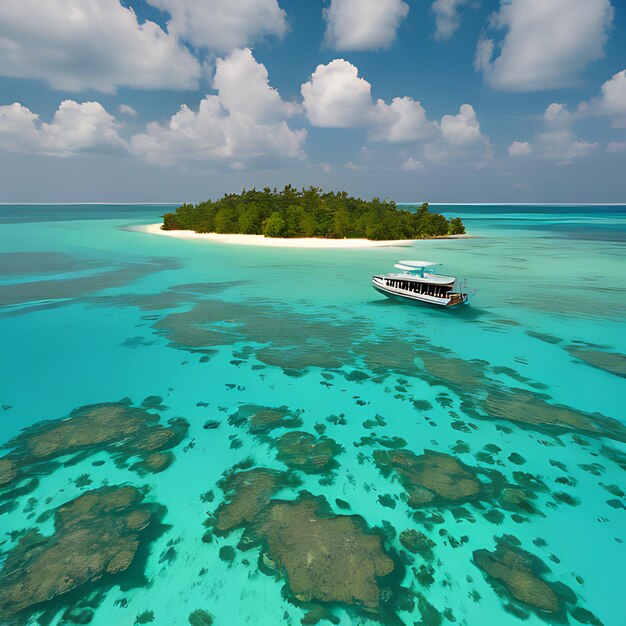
<point x="417" y="283"/>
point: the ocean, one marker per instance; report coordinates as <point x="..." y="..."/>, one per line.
<point x="321" y="452"/>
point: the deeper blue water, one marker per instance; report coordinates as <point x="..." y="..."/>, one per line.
<point x="90" y="312"/>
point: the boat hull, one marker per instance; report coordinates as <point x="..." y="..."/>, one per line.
<point x="417" y="298"/>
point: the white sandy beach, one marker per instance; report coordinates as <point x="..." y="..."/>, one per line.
<point x="260" y="240"/>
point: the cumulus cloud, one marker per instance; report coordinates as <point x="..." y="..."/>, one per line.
<point x="363" y="24"/>
<point x="337" y="97"/>
<point x="462" y="129"/>
<point x="402" y="120"/>
<point x="557" y="141"/>
<point x="460" y="136"/>
<point x="245" y="121"/>
<point x="243" y="87"/>
<point x="76" y="45"/>
<point x="547" y="44"/>
<point x="613" y="99"/>
<point x="618" y="147"/>
<point x="447" y="17"/>
<point x="223" y="25"/>
<point x="75" y="128"/>
<point x="126" y="109"/>
<point x="411" y="165"/>
<point x="520" y="148"/>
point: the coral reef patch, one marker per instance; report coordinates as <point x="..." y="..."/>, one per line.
<point x="434" y="477"/>
<point x="306" y="452"/>
<point x="325" y="559"/>
<point x="122" y="430"/>
<point x="96" y="536"/>
<point x="520" y="577"/>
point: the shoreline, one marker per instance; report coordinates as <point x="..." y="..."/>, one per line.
<point x="279" y="242"/>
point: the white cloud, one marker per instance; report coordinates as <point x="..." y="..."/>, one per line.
<point x="611" y="101"/>
<point x="462" y="129"/>
<point x="243" y="86"/>
<point x="126" y="109"/>
<point x="557" y="141"/>
<point x="618" y="147"/>
<point x="75" y="128"/>
<point x="447" y="17"/>
<point x="614" y="99"/>
<point x="547" y="44"/>
<point x="336" y="97"/>
<point x="459" y="137"/>
<point x="223" y="25"/>
<point x="411" y="164"/>
<point x="76" y="45"/>
<point x="520" y="148"/>
<point x="363" y="24"/>
<point x="402" y="120"/>
<point x="563" y="146"/>
<point x="244" y="122"/>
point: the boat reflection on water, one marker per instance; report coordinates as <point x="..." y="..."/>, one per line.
<point x="417" y="284"/>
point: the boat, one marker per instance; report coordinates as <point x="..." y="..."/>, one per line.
<point x="417" y="283"/>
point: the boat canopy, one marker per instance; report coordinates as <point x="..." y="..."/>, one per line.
<point x="418" y="264"/>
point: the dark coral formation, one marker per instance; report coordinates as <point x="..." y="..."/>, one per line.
<point x="266" y="420"/>
<point x="324" y="558"/>
<point x="472" y="378"/>
<point x="200" y="617"/>
<point x="246" y="494"/>
<point x="612" y="362"/>
<point x="124" y="431"/>
<point x="417" y="542"/>
<point x="8" y="471"/>
<point x="294" y="360"/>
<point x="531" y="409"/>
<point x="154" y="463"/>
<point x="392" y="356"/>
<point x="292" y="341"/>
<point x="452" y="371"/>
<point x="263" y="420"/>
<point x="96" y="536"/>
<point x="519" y="500"/>
<point x="519" y="576"/>
<point x="432" y="477"/>
<point x="65" y="290"/>
<point x="515" y="570"/>
<point x="307" y="453"/>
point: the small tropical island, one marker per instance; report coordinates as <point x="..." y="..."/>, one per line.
<point x="306" y="214"/>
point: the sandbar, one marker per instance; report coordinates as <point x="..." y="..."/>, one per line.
<point x="278" y="242"/>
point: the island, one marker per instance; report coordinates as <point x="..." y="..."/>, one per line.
<point x="310" y="214"/>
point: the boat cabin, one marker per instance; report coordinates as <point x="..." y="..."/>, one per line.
<point x="422" y="287"/>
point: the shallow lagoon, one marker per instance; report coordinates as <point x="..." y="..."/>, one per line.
<point x="92" y="312"/>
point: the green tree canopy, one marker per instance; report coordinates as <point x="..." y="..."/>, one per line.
<point x="311" y="213"/>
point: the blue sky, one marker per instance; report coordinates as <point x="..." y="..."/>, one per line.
<point x="438" y="100"/>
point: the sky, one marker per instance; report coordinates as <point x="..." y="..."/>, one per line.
<point x="413" y="100"/>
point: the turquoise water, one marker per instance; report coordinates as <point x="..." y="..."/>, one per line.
<point x="90" y="313"/>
